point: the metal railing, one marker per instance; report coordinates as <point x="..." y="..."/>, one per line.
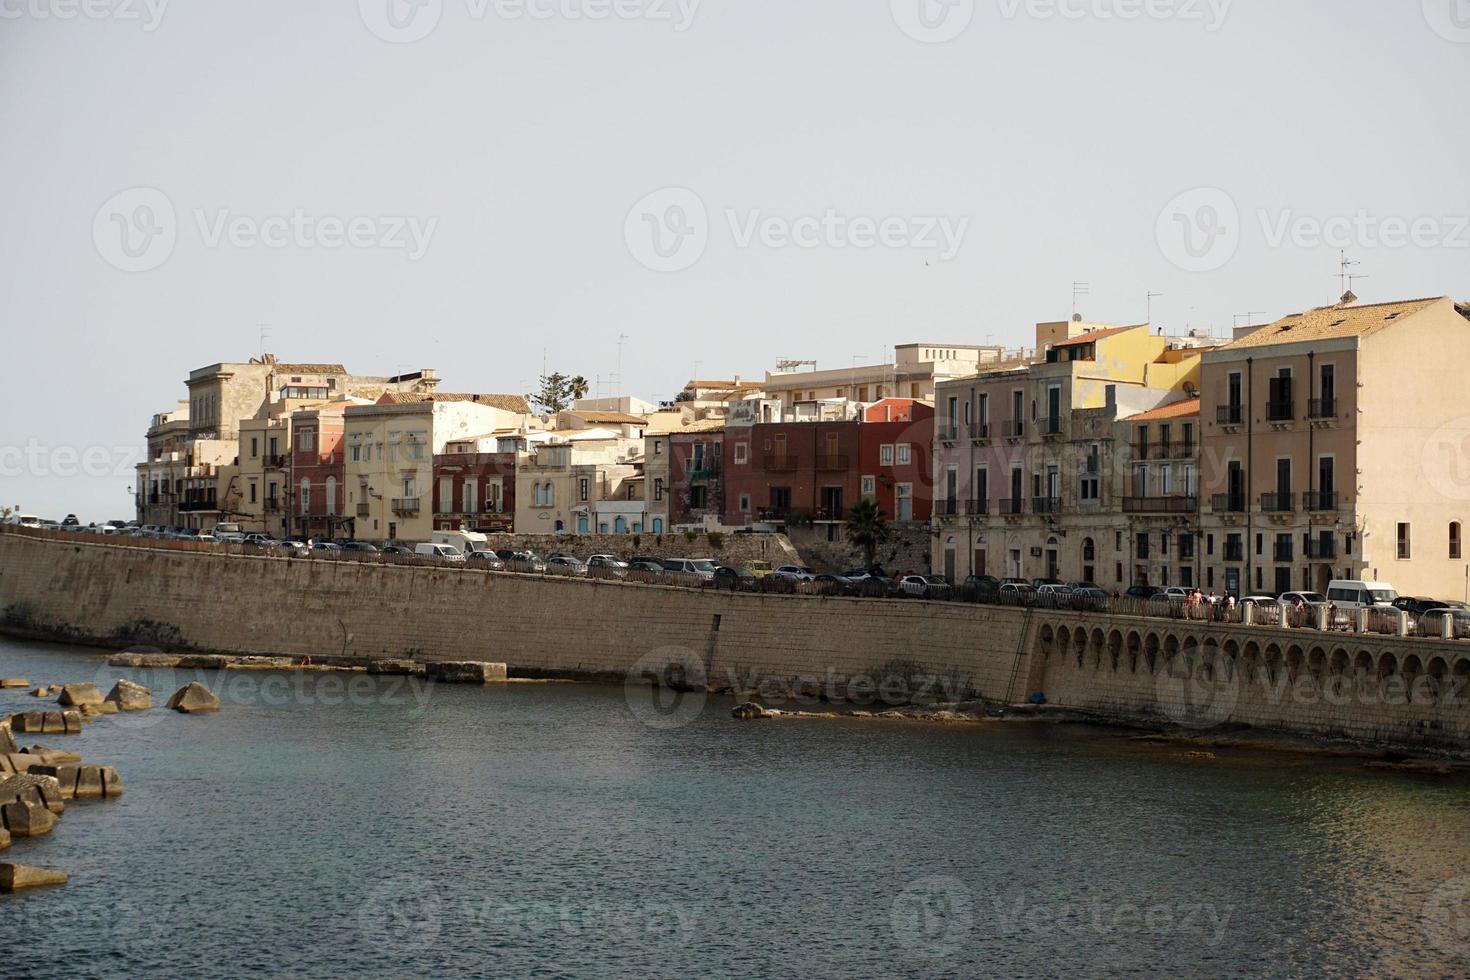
<point x="1278" y="503"/>
<point x="1012" y="506"/>
<point x="1317" y="501"/>
<point x="1322" y="408"/>
<point x="406" y="505"/>
<point x="780" y="464"/>
<point x="833" y="463"/>
<point x="1280" y="411"/>
<point x="1160" y="505"/>
<point x="946" y="508"/>
<point x="1046" y="505"/>
<point x="977" y="508"/>
<point x="1230" y="414"/>
<point x="1320" y="549"/>
<point x="980" y="431"/>
<point x="1228" y="503"/>
<point x="1049" y="426"/>
<point x="1013" y="429"/>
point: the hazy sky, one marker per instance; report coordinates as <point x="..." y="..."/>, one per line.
<point x="464" y="183"/>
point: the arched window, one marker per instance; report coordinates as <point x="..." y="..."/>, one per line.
<point x="1089" y="550"/>
<point x="331" y="495"/>
<point x="658" y="525"/>
<point x="620" y="526"/>
<point x="305" y="496"/>
<point x="1455" y="547"/>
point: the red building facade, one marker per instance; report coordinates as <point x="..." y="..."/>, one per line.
<point x="779" y="472"/>
<point x="475" y="491"/>
<point x="315" y="498"/>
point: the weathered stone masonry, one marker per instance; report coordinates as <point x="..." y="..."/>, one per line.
<point x="1370" y="688"/>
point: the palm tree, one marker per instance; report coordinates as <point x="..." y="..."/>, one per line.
<point x="866" y="528"/>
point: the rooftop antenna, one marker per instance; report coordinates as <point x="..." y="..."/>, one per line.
<point x="1079" y="289"/>
<point x="617" y="380"/>
<point x="265" y="332"/>
<point x="1346" y="276"/>
<point x="1151" y="298"/>
<point x="1249" y="318"/>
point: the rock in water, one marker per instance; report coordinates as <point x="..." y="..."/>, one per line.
<point x="14" y="877"/>
<point x="14" y="682"/>
<point x="27" y="818"/>
<point x="7" y="740"/>
<point x="4" y="838"/>
<point x="193" y="698"/>
<point x="50" y="756"/>
<point x="76" y="695"/>
<point x="748" y="710"/>
<point x="37" y="788"/>
<point x="130" y="696"/>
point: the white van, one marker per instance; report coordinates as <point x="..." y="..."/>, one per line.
<point x="1354" y="594"/>
<point x="465" y="541"/>
<point x="446" y="551"/>
<point x="227" y="531"/>
<point x="25" y="520"/>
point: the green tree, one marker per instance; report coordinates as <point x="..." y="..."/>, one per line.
<point x="558" y="391"/>
<point x="866" y="528"/>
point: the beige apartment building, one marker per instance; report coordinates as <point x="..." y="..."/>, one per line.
<point x="1334" y="446"/>
<point x="583" y="482"/>
<point x="914" y="372"/>
<point x="1026" y="461"/>
<point x="1158" y="487"/>
<point x="389" y="455"/>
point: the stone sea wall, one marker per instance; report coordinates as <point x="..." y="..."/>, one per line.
<point x="1200" y="677"/>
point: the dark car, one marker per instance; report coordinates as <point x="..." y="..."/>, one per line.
<point x="357" y="546"/>
<point x="980" y="588"/>
<point x="829" y="584"/>
<point x="645" y="565"/>
<point x="736" y="579"/>
<point x="1143" y="592"/>
<point x="1419" y="605"/>
<point x="395" y="549"/>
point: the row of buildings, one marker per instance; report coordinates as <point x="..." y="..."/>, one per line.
<point x="1329" y="444"/>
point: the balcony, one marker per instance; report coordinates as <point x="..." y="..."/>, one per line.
<point x="1234" y="551"/>
<point x="405" y="505"/>
<point x="1175" y="450"/>
<point x="980" y="431"/>
<point x="779" y="464"/>
<point x="771" y="515"/>
<point x="1282" y="552"/>
<point x="1230" y="415"/>
<point x="272" y="505"/>
<point x="946" y="431"/>
<point x="196" y="504"/>
<point x="1172" y="504"/>
<point x="1278" y="503"/>
<point x="1013" y="429"/>
<point x="1228" y="503"/>
<point x="1046" y="505"/>
<point x="1049" y="427"/>
<point x="833" y="464"/>
<point x="1012" y="507"/>
<point x="946" y="508"/>
<point x="977" y="508"/>
<point x="1320" y="501"/>
<point x="704" y="474"/>
<point x="276" y="462"/>
<point x="1322" y="549"/>
<point x="1322" y="409"/>
<point x="362" y="510"/>
<point x="1280" y="411"/>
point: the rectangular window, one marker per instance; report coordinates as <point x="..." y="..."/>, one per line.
<point x="584" y="488"/>
<point x="885" y="455"/>
<point x="254" y="447"/>
<point x="903" y="453"/>
<point x="742" y="451"/>
<point x="870" y="486"/>
<point x="305" y="441"/>
<point x="658" y="488"/>
<point x="1404" y="549"/>
<point x="1455" y="547"/>
<point x="745" y="503"/>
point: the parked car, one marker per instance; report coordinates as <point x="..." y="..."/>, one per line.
<point x="1054" y="595"/>
<point x="521" y="561"/>
<point x="329" y="546"/>
<point x="565" y="565"/>
<point x="445" y="552"/>
<point x="980" y="588"/>
<point x="1142" y="592"/>
<point x="701" y="569"/>
<point x="925" y="586"/>
<point x="645" y="565"/>
<point x="485" y="559"/>
<point x="395" y="549"/>
<point x="1432" y="622"/>
<point x="1017" y="593"/>
<point x="229" y="531"/>
<point x="259" y="540"/>
<point x="607" y="566"/>
<point x="360" y="546"/>
<point x="739" y="579"/>
<point x="828" y="584"/>
<point x="1089" y="598"/>
<point x="292" y="549"/>
<point x="794" y="573"/>
<point x="760" y="569"/>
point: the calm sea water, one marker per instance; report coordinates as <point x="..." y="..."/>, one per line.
<point x="318" y="829"/>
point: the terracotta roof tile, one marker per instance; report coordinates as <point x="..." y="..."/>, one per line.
<point x="1333" y="322"/>
<point x="515" y="404"/>
<point x="1088" y="338"/>
<point x="609" y="418"/>
<point x="309" y="368"/>
<point x="1178" y="410"/>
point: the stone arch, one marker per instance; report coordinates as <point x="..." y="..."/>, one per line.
<point x="1135" y="650"/>
<point x="1230" y="661"/>
<point x="1151" y="652"/>
<point x="1296" y="659"/>
<point x="1115" y="648"/>
<point x="1338" y="666"/>
<point x="1387" y="665"/>
<point x="1096" y="643"/>
<point x="1461" y="674"/>
<point x="1437" y="677"/>
<point x="1250" y="661"/>
<point x="1317" y="662"/>
<point x="1171" y="647"/>
<point x="1045" y="640"/>
<point x="1273" y="663"/>
<point x="1064" y="642"/>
